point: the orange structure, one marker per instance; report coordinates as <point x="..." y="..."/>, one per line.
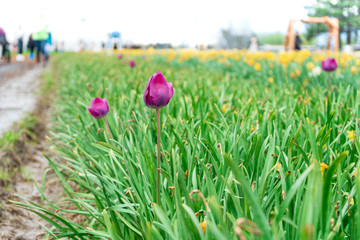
<point x="332" y="24"/>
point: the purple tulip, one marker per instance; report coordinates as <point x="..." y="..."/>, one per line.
<point x="158" y="92"/>
<point x="120" y="56"/>
<point x="329" y="64"/>
<point x="132" y="63"/>
<point x="99" y="108"/>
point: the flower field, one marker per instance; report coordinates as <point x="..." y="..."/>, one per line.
<point x="253" y="146"/>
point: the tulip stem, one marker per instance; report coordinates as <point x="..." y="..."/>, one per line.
<point x="108" y="128"/>
<point x="158" y="158"/>
<point x="329" y="79"/>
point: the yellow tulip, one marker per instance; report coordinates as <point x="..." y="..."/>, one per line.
<point x="250" y="62"/>
<point x="310" y="66"/>
<point x="357" y="62"/>
<point x="292" y="75"/>
<point x="270" y="80"/>
<point x="257" y="67"/>
<point x="353" y="70"/>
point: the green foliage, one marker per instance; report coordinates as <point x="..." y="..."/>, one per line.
<point x="249" y="148"/>
<point x="313" y="29"/>
<point x="8" y="139"/>
<point x="347" y="11"/>
<point x="272" y="38"/>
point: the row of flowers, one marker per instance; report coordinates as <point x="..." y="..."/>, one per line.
<point x="223" y="56"/>
<point x="158" y="93"/>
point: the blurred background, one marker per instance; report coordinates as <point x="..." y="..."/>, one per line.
<point x="96" y="25"/>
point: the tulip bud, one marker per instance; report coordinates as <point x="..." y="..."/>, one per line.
<point x="99" y="108"/>
<point x="132" y="63"/>
<point x="329" y="64"/>
<point x="158" y="92"/>
<point x="120" y="56"/>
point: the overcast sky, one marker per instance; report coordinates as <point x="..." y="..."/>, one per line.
<point x="150" y="21"/>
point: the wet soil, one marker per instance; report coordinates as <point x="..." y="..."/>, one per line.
<point x="19" y="93"/>
<point x="14" y="69"/>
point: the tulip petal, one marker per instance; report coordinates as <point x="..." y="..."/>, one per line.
<point x="106" y="104"/>
<point x="93" y="113"/>
<point x="171" y="90"/>
<point x="158" y="78"/>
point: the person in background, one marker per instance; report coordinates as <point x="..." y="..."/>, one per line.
<point x="31" y="45"/>
<point x="62" y="47"/>
<point x="5" y="45"/>
<point x="297" y="41"/>
<point x="39" y="39"/>
<point x="254" y="44"/>
<point x="47" y="47"/>
<point x="19" y="35"/>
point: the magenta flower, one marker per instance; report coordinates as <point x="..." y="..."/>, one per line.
<point x="158" y="92"/>
<point x="329" y="64"/>
<point x="132" y="63"/>
<point x="99" y="108"/>
<point x="120" y="56"/>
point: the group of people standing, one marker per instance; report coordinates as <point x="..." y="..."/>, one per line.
<point x="41" y="41"/>
<point x="38" y="42"/>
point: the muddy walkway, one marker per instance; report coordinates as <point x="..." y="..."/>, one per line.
<point x="19" y="91"/>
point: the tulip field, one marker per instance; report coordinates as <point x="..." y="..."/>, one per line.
<point x="252" y="146"/>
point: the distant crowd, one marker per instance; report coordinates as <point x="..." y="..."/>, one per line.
<point x="38" y="43"/>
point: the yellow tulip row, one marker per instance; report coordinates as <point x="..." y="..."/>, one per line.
<point x="222" y="56"/>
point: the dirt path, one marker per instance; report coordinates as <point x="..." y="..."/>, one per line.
<point x="18" y="94"/>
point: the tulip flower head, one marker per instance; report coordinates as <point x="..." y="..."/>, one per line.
<point x="329" y="64"/>
<point x="158" y="92"/>
<point x="99" y="108"/>
<point x="132" y="63"/>
<point x="120" y="56"/>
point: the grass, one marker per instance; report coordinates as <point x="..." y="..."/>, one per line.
<point x="241" y="155"/>
<point x="10" y="144"/>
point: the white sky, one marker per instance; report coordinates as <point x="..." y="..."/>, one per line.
<point x="149" y="21"/>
